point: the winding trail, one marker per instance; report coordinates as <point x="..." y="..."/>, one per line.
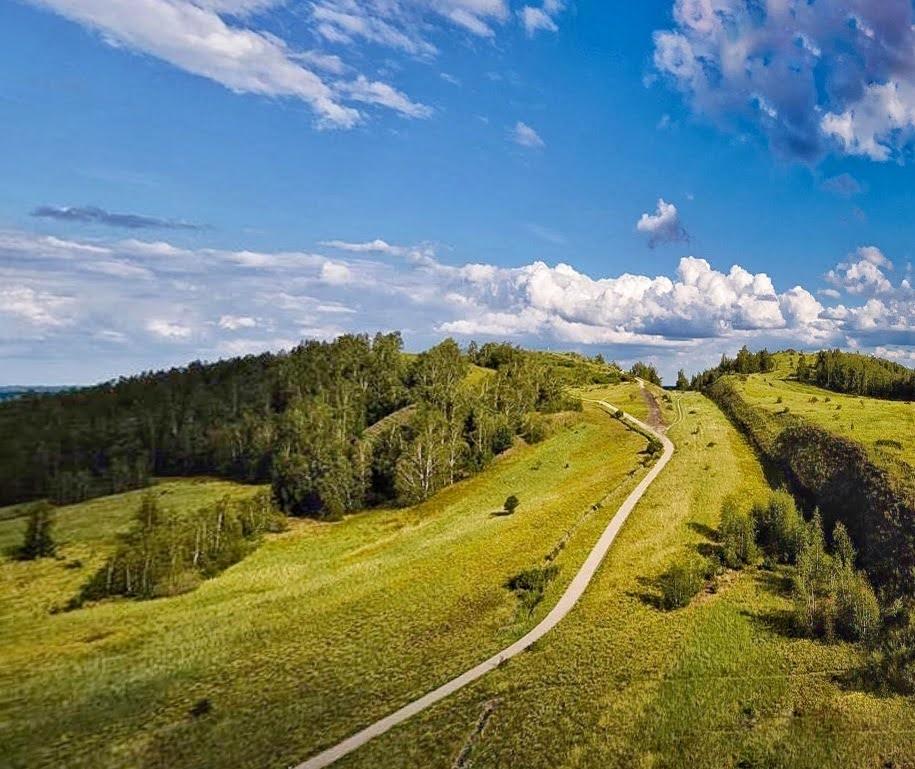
<point x="568" y="599"/>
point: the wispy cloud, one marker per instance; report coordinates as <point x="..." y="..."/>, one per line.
<point x="95" y="215"/>
<point x="525" y="136"/>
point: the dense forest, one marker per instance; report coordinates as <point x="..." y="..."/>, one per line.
<point x="298" y="420"/>
<point x="858" y="375"/>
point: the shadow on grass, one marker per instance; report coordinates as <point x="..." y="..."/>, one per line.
<point x="706" y="531"/>
<point x="500" y="514"/>
<point x="779" y="621"/>
<point x="653" y="598"/>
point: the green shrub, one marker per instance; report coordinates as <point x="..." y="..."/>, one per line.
<point x="39" y="541"/>
<point x="511" y="504"/>
<point x="529" y="585"/>
<point x="737" y="532"/>
<point x="858" y="616"/>
<point x="891" y="664"/>
<point x="682" y="582"/>
<point x="779" y="526"/>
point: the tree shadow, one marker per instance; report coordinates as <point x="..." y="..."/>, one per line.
<point x="652" y="599"/>
<point x="706" y="531"/>
<point x="780" y="621"/>
<point x="500" y="514"/>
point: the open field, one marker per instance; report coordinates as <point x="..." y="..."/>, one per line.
<point x="721" y="683"/>
<point x="865" y="420"/>
<point x="322" y="630"/>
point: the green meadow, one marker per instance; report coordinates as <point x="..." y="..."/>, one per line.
<point x="620" y="683"/>
<point x="878" y="425"/>
<point x="322" y="630"/>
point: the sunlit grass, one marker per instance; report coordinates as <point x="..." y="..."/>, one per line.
<point x="865" y="420"/>
<point x="322" y="630"/>
<point x="620" y="683"/>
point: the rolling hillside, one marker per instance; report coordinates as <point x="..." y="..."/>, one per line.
<point x="322" y="629"/>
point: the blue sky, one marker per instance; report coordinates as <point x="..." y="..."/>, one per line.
<point x="199" y="178"/>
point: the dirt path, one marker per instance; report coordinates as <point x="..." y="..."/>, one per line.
<point x="568" y="600"/>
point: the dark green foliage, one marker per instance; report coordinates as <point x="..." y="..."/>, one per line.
<point x="39" y="541"/>
<point x="859" y="375"/>
<point x="511" y="504"/>
<point x="647" y="372"/>
<point x="779" y="527"/>
<point x="746" y="362"/>
<point x="876" y="504"/>
<point x="165" y="553"/>
<point x="737" y="533"/>
<point x="682" y="582"/>
<point x="891" y="664"/>
<point x="529" y="585"/>
<point x="682" y="381"/>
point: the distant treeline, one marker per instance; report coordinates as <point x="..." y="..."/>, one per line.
<point x="858" y="374"/>
<point x="296" y="419"/>
<point x="746" y="362"/>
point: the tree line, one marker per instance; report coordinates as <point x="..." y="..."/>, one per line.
<point x="297" y="420"/>
<point x="858" y="374"/>
<point x="745" y="362"/>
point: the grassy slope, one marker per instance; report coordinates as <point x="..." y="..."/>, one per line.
<point x="865" y="420"/>
<point x="322" y="630"/>
<point x="620" y="684"/>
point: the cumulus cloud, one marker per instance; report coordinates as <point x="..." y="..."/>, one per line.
<point x="663" y="226"/>
<point x="809" y="76"/>
<point x="525" y="136"/>
<point x="863" y="273"/>
<point x="95" y="215"/>
<point x="205" y="302"/>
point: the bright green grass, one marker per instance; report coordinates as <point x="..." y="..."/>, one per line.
<point x="631" y="399"/>
<point x="322" y="630"/>
<point x="97" y="521"/>
<point x="865" y="420"/>
<point x="619" y="683"/>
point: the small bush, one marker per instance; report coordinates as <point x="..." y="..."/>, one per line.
<point x="737" y="532"/>
<point x="511" y="504"/>
<point x="529" y="585"/>
<point x="891" y="664"/>
<point x="39" y="540"/>
<point x="681" y="583"/>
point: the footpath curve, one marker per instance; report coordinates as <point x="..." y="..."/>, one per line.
<point x="568" y="599"/>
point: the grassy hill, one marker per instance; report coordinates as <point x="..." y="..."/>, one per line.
<point x="722" y="683"/>
<point x="321" y="630"/>
<point x="884" y="427"/>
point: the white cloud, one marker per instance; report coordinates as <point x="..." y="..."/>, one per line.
<point x="40" y="308"/>
<point x="197" y="40"/>
<point x="336" y="273"/>
<point x="525" y="136"/>
<point x="236" y="322"/>
<point x="663" y="226"/>
<point x="53" y="306"/>
<point x="168" y="329"/>
<point x="864" y="273"/>
<point x="810" y="76"/>
<point x="536" y="19"/>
